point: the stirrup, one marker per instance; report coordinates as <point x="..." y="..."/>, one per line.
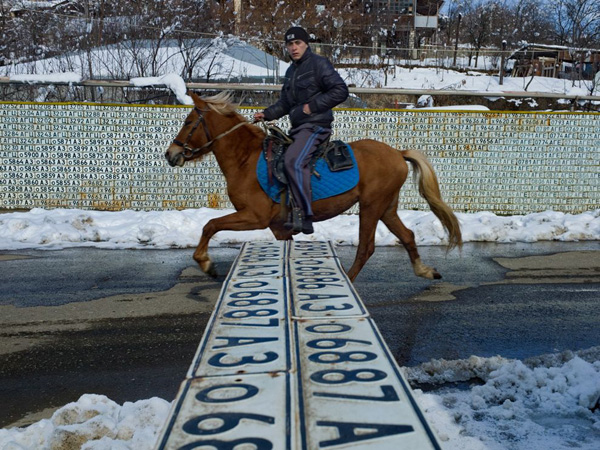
<point x="295" y="220"/>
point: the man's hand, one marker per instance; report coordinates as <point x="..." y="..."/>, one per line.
<point x="258" y="116"/>
<point x="306" y="110"/>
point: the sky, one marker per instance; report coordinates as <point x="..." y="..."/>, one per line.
<point x="545" y="404"/>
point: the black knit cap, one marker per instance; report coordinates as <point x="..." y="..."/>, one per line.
<point x="296" y="33"/>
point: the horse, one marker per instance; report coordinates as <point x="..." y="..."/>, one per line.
<point x="214" y="125"/>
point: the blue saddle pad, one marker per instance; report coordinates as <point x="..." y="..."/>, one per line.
<point x="328" y="185"/>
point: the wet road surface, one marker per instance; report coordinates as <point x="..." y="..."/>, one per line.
<point x="126" y="323"/>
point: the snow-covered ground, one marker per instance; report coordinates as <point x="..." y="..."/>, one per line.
<point x="544" y="404"/>
<point x="232" y="61"/>
<point x="548" y="404"/>
<point x="551" y="402"/>
<point x="447" y="79"/>
<point x="222" y="59"/>
<point x="62" y="228"/>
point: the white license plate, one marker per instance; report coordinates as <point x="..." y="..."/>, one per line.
<point x="320" y="288"/>
<point x="247" y="411"/>
<point x="353" y="395"/>
<point x="260" y="259"/>
<point x="311" y="249"/>
<point x="249" y="330"/>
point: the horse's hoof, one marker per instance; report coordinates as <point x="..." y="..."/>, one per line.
<point x="423" y="271"/>
<point x="430" y="273"/>
<point x="212" y="272"/>
<point x="209" y="268"/>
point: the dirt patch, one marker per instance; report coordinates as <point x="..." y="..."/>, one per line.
<point x="4" y="257"/>
<point x="567" y="267"/>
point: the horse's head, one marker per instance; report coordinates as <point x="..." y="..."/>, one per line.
<point x="194" y="139"/>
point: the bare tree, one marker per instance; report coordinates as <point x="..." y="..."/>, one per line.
<point x="333" y="24"/>
<point x="577" y="22"/>
<point x="532" y="22"/>
<point x="7" y="35"/>
<point x="577" y="25"/>
<point x="477" y="28"/>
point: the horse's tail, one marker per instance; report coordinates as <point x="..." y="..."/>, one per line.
<point x="429" y="189"/>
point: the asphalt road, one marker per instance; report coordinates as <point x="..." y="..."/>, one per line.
<point x="126" y="323"/>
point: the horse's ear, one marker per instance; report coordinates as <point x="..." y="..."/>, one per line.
<point x="195" y="97"/>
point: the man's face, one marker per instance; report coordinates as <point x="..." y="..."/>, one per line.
<point x="296" y="48"/>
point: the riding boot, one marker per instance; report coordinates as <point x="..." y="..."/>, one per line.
<point x="307" y="225"/>
<point x="292" y="212"/>
<point x="294" y="220"/>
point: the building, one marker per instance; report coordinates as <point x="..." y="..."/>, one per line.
<point x="402" y="24"/>
<point x="555" y="61"/>
<point x="408" y="23"/>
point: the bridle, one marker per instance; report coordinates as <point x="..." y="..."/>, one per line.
<point x="189" y="152"/>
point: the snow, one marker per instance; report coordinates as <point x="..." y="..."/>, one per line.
<point x="447" y="79"/>
<point x="62" y="77"/>
<point x="93" y="422"/>
<point x="552" y="402"/>
<point x="222" y="59"/>
<point x="172" y="81"/>
<point x="229" y="68"/>
<point x="64" y="228"/>
<point x="518" y="406"/>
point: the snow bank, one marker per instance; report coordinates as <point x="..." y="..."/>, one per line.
<point x="172" y="81"/>
<point x="62" y="228"/>
<point x="546" y="403"/>
<point x="94" y="422"/>
<point x="516" y="407"/>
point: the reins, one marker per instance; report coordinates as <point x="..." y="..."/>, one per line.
<point x="188" y="152"/>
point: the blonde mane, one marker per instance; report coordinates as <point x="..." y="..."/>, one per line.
<point x="221" y="103"/>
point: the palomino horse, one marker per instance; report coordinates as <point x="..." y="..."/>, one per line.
<point x="215" y="126"/>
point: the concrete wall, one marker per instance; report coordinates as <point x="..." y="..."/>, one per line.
<point x="110" y="157"/>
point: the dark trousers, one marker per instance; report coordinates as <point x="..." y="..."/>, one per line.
<point x="297" y="158"/>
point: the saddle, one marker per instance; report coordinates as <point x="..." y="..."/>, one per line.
<point x="334" y="153"/>
<point x="333" y="171"/>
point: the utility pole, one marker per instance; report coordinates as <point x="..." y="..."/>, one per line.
<point x="414" y="30"/>
<point x="237" y="8"/>
<point x="502" y="62"/>
<point x="456" y="39"/>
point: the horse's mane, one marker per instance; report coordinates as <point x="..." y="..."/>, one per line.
<point x="221" y="103"/>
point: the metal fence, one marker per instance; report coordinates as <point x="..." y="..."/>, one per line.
<point x="124" y="92"/>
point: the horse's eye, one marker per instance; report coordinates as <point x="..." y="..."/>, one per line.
<point x="187" y="122"/>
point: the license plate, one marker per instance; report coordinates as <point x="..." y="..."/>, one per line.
<point x="228" y="412"/>
<point x="320" y="288"/>
<point x="248" y="331"/>
<point x="352" y="392"/>
<point x="291" y="359"/>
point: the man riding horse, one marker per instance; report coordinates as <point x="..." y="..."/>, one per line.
<point x="311" y="89"/>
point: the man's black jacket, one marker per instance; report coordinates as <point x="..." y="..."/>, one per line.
<point x="313" y="80"/>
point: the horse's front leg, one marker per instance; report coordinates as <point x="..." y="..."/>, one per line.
<point x="237" y="221"/>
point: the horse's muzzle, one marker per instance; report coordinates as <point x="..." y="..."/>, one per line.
<point x="175" y="159"/>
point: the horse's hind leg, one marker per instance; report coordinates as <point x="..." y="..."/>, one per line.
<point x="369" y="216"/>
<point x="407" y="237"/>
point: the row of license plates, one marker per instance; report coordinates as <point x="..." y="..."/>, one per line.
<point x="291" y="359"/>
